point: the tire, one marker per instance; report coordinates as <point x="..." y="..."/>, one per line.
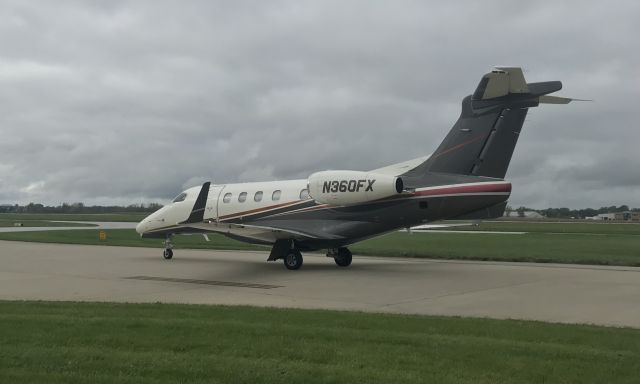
<point x="168" y="254"/>
<point x="293" y="260"/>
<point x="344" y="257"/>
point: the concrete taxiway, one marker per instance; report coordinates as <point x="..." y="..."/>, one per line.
<point x="548" y="292"/>
<point x="93" y="225"/>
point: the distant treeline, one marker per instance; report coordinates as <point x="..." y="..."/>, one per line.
<point x="78" y="208"/>
<point x="575" y="213"/>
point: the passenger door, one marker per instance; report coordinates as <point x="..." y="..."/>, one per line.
<point x="211" y="210"/>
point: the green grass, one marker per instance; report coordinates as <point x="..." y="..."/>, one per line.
<point x="161" y="343"/>
<point x="551" y="227"/>
<point x="606" y="249"/>
<point x="129" y="217"/>
<point x="532" y="247"/>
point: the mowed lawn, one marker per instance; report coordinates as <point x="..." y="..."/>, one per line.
<point x="159" y="343"/>
<point x="570" y="226"/>
<point x="571" y="248"/>
<point x="125" y="216"/>
<point x="530" y="247"/>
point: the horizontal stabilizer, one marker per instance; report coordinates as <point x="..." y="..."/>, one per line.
<point x="544" y="87"/>
<point x="557" y="100"/>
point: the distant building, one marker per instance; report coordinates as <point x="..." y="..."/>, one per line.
<point x="525" y="214"/>
<point x="628" y="216"/>
<point x="618" y="216"/>
<point x="603" y="216"/>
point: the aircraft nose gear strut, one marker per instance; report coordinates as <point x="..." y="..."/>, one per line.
<point x="342" y="256"/>
<point x="168" y="248"/>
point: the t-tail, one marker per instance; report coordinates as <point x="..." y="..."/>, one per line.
<point x="482" y="141"/>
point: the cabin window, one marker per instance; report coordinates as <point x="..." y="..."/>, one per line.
<point x="180" y="198"/>
<point x="257" y="197"/>
<point x="226" y="198"/>
<point x="242" y="197"/>
<point x="275" y="196"/>
<point x="304" y="194"/>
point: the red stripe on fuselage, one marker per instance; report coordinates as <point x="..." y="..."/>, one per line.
<point x="463" y="189"/>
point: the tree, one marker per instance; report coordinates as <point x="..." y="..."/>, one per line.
<point x="507" y="210"/>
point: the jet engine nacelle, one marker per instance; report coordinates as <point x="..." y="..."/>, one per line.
<point x="352" y="187"/>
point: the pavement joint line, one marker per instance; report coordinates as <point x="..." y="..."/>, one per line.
<point x="204" y="282"/>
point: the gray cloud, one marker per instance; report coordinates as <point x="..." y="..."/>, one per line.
<point x="123" y="102"/>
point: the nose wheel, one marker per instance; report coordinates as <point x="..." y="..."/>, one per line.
<point x="168" y="248"/>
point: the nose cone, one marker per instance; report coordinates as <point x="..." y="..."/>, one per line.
<point x="141" y="227"/>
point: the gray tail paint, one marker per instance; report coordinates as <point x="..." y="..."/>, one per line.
<point x="482" y="141"/>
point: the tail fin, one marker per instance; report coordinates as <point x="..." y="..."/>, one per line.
<point x="483" y="139"/>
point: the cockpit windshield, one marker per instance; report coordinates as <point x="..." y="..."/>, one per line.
<point x="180" y="197"/>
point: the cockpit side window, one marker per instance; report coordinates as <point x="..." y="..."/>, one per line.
<point x="180" y="198"/>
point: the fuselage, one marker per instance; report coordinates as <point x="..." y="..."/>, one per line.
<point x="264" y="212"/>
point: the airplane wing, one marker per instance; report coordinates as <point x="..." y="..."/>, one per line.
<point x="429" y="227"/>
<point x="268" y="232"/>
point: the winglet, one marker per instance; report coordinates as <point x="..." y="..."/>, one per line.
<point x="197" y="213"/>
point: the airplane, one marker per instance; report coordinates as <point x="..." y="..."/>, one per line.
<point x="462" y="179"/>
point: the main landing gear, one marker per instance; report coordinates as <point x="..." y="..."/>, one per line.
<point x="342" y="256"/>
<point x="288" y="251"/>
<point x="293" y="259"/>
<point x="168" y="248"/>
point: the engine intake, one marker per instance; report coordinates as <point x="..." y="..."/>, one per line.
<point x="352" y="187"/>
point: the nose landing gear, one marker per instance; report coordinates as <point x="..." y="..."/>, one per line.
<point x="168" y="248"/>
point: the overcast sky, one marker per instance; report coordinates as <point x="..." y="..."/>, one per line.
<point x="127" y="102"/>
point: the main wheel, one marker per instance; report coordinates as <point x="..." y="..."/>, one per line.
<point x="293" y="259"/>
<point x="344" y="257"/>
<point x="168" y="253"/>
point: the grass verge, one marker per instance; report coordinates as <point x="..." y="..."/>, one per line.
<point x="631" y="228"/>
<point x="606" y="249"/>
<point x="131" y="343"/>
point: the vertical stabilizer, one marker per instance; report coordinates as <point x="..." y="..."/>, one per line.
<point x="483" y="139"/>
